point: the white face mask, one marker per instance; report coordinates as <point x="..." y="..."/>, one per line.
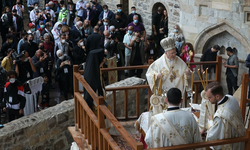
<point x="81" y="44"/>
<point x="63" y="40"/>
<point x="12" y="80"/>
<point x="62" y="57"/>
<point x="36" y="7"/>
<point x="26" y="59"/>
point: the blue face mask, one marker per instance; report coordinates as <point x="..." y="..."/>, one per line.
<point x="175" y="30"/>
<point x="105" y="10"/>
<point x="47" y="8"/>
<point x="133" y="11"/>
<point x="135" y="21"/>
<point x="105" y="23"/>
<point x="130" y="32"/>
<point x="119" y="10"/>
<point x="42" y="26"/>
<point x="33" y="29"/>
<point x="64" y="22"/>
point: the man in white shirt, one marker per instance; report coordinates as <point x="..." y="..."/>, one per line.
<point x="80" y="6"/>
<point x="19" y="7"/>
<point x="50" y="11"/>
<point x="36" y="33"/>
<point x="126" y="40"/>
<point x="34" y="13"/>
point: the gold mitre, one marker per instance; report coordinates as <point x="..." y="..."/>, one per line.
<point x="168" y="43"/>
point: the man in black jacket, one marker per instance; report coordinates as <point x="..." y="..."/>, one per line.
<point x="29" y="46"/>
<point x="76" y="33"/>
<point x="210" y="55"/>
<point x="94" y="40"/>
<point x="79" y="53"/>
<point x="131" y="16"/>
<point x="14" y="97"/>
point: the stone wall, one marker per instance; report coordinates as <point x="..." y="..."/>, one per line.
<point x="44" y="130"/>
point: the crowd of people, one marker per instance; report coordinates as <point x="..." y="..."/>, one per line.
<point x="62" y="34"/>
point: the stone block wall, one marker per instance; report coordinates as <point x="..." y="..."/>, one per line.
<point x="44" y="130"/>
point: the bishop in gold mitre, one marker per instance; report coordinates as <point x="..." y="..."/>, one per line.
<point x="173" y="69"/>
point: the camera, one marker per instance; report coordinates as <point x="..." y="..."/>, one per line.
<point x="14" y="55"/>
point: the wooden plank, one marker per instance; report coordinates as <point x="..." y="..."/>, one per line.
<point x="114" y="103"/>
<point x="244" y="89"/>
<point x="137" y="103"/>
<point x="109" y="139"/>
<point x="86" y="86"/>
<point x="127" y="88"/>
<point x="131" y="142"/>
<point x="124" y="68"/>
<point x="126" y="104"/>
<point x="247" y="144"/>
<point x="78" y="138"/>
<point x="204" y="144"/>
<point x="76" y="83"/>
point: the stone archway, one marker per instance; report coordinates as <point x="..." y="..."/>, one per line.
<point x="206" y="35"/>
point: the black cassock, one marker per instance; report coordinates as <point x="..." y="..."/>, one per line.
<point x="92" y="74"/>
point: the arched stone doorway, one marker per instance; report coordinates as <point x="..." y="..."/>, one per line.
<point x="155" y="7"/>
<point x="234" y="38"/>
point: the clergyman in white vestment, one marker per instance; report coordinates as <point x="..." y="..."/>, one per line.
<point x="174" y="126"/>
<point x="227" y="120"/>
<point x="173" y="69"/>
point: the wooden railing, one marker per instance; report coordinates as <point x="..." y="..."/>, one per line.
<point x="91" y="128"/>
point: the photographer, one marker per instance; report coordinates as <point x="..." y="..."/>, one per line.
<point x="40" y="61"/>
<point x="79" y="53"/>
<point x="7" y="61"/>
<point x="115" y="48"/>
<point x="64" y="73"/>
<point x="24" y="67"/>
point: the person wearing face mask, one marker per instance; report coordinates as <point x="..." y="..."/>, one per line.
<point x="33" y="13"/>
<point x="133" y="12"/>
<point x="126" y="41"/>
<point x="56" y="31"/>
<point x="138" y="27"/>
<point x="40" y="61"/>
<point x="79" y="53"/>
<point x="55" y="7"/>
<point x="17" y="23"/>
<point x="105" y="26"/>
<point x="120" y="26"/>
<point x="62" y="45"/>
<point x="51" y="12"/>
<point x="64" y="73"/>
<point x="36" y="34"/>
<point x="29" y="46"/>
<point x="231" y="65"/>
<point x="31" y="4"/>
<point x="23" y="40"/>
<point x="88" y="14"/>
<point x="177" y="34"/>
<point x="88" y="30"/>
<point x="42" y="27"/>
<point x="47" y="29"/>
<point x="77" y="33"/>
<point x="137" y="54"/>
<point x="106" y="13"/>
<point x="64" y="13"/>
<point x="14" y="100"/>
<point x="24" y="68"/>
<point x="19" y="7"/>
<point x="80" y="6"/>
<point x="6" y="46"/>
<point x="123" y="15"/>
<point x="7" y="61"/>
<point x="115" y="48"/>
